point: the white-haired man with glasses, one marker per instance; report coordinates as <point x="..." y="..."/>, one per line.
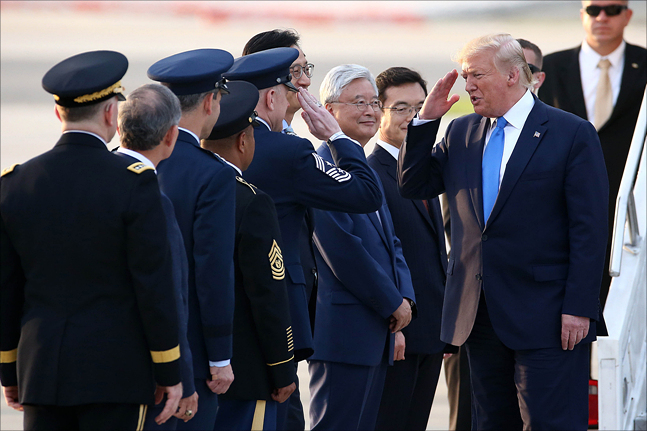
<point x="365" y="293"/>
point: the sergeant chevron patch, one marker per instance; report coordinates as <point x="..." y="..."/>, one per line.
<point x="276" y="262"/>
<point x="331" y="170"/>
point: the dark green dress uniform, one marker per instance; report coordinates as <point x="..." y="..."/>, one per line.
<point x="87" y="313"/>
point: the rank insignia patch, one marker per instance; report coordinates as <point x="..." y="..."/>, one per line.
<point x="331" y="170"/>
<point x="276" y="262"/>
<point x="139" y="167"/>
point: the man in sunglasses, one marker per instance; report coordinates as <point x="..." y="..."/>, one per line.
<point x="602" y="80"/>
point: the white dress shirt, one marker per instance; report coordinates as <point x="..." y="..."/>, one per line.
<point x="590" y="74"/>
<point x="516" y="118"/>
<point x="137" y="156"/>
<point x="190" y="133"/>
<point x="395" y="152"/>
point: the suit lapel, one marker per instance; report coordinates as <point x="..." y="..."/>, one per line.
<point x="632" y="81"/>
<point x="573" y="83"/>
<point x="473" y="168"/>
<point x="531" y="135"/>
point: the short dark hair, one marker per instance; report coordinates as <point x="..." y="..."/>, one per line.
<point x="271" y="39"/>
<point x="396" y="76"/>
<point x="146" y="116"/>
<point x="525" y="44"/>
<point x="189" y="102"/>
<point x="80" y="113"/>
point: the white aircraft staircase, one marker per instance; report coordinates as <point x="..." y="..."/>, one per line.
<point x="622" y="363"/>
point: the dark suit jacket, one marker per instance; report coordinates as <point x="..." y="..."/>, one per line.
<point x="202" y="188"/>
<point x="287" y="168"/>
<point x="541" y="253"/>
<point x="263" y="346"/>
<point x="563" y="89"/>
<point x="181" y="287"/>
<point x="363" y="278"/>
<point x="423" y="247"/>
<point x="86" y="292"/>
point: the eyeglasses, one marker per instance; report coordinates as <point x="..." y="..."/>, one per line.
<point x="361" y="106"/>
<point x="222" y="87"/>
<point x="533" y="69"/>
<point x="297" y="70"/>
<point x="403" y="110"/>
<point x="610" y="10"/>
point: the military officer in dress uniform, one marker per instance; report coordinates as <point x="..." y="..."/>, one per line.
<point x="201" y="187"/>
<point x="263" y="359"/>
<point x="147" y="125"/>
<point x="88" y="314"/>
<point x="287" y="168"/>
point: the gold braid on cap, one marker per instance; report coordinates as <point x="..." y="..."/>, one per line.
<point x="114" y="88"/>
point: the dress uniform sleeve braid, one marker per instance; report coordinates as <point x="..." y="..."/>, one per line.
<point x="261" y="264"/>
<point x="149" y="261"/>
<point x="12" y="283"/>
<point x="213" y="253"/>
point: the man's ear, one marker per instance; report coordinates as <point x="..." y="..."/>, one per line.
<point x="58" y="114"/>
<point x="108" y="113"/>
<point x="207" y="103"/>
<point x="270" y="98"/>
<point x="241" y="144"/>
<point x="513" y="76"/>
<point x="171" y="136"/>
<point x="541" y="76"/>
<point x="329" y="108"/>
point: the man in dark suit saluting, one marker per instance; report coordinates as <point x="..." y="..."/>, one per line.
<point x="411" y="381"/>
<point x="527" y="193"/>
<point x="602" y="80"/>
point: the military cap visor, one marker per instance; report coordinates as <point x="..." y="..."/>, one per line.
<point x="87" y="78"/>
<point x="265" y="69"/>
<point x="236" y="110"/>
<point x="193" y="72"/>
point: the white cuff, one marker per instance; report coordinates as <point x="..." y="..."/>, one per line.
<point x="220" y="364"/>
<point x="419" y="121"/>
<point x="341" y="134"/>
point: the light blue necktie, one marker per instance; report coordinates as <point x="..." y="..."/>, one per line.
<point x="491" y="166"/>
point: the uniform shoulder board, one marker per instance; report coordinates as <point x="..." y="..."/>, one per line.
<point x="9" y="170"/>
<point x="242" y="181"/>
<point x="139" y="167"/>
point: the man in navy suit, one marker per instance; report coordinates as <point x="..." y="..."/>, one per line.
<point x="287" y="168"/>
<point x="365" y="293"/>
<point x="147" y="131"/>
<point x="527" y="192"/>
<point x="411" y="382"/>
<point x="202" y="188"/>
<point x="572" y="78"/>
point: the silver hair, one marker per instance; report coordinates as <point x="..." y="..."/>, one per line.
<point x="506" y="51"/>
<point x="147" y="115"/>
<point x="340" y="77"/>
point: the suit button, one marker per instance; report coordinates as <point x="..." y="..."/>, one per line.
<point x="484" y="237"/>
<point x="478" y="277"/>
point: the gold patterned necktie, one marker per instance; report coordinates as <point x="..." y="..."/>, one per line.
<point x="604" y="96"/>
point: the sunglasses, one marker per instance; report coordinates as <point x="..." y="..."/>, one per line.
<point x="610" y="10"/>
<point x="533" y="68"/>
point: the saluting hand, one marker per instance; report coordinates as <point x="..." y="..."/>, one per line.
<point x="221" y="379"/>
<point x="436" y="104"/>
<point x="321" y="124"/>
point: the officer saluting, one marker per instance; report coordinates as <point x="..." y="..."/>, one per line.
<point x="263" y="359"/>
<point x="88" y="312"/>
<point x="202" y="188"/>
<point x="287" y="168"/>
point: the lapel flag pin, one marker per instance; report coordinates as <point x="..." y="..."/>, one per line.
<point x="634" y="65"/>
<point x="537" y="134"/>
